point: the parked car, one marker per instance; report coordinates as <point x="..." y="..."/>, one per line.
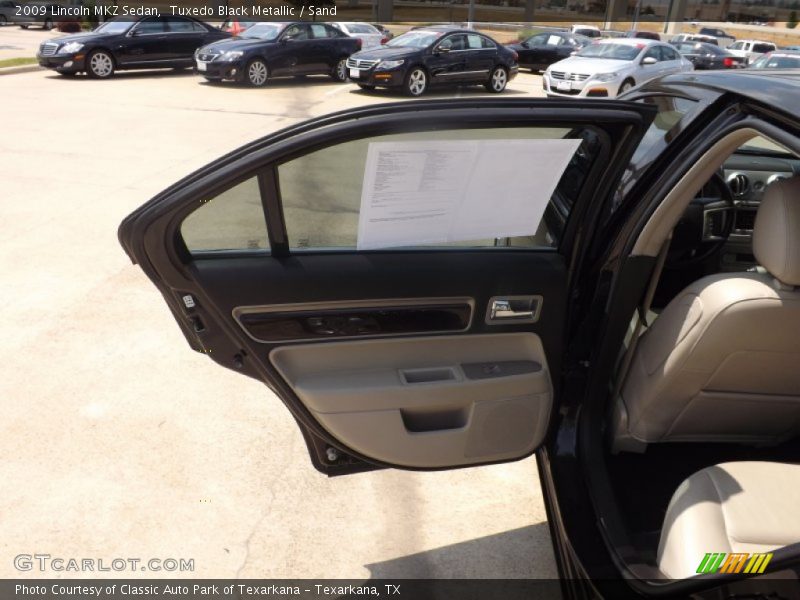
<point x="121" y="44"/>
<point x="387" y="34"/>
<point x="8" y="12"/>
<point x="267" y="50"/>
<point x="644" y="35"/>
<point x="369" y="36"/>
<point x="433" y="56"/>
<point x="751" y="49"/>
<point x="41" y="14"/>
<point x="709" y="56"/>
<point x="611" y="67"/>
<point x="590" y="31"/>
<point x="723" y="38"/>
<point x="691" y="37"/>
<point x="780" y="59"/>
<point x="543" y="49"/>
<point x="427" y="356"/>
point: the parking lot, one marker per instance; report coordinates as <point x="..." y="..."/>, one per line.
<point x="122" y="442"/>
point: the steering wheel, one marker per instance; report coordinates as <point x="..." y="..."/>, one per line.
<point x="704" y="226"/>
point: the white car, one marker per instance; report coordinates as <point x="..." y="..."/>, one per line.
<point x="610" y="67"/>
<point x="370" y="37"/>
<point x="751" y="49"/>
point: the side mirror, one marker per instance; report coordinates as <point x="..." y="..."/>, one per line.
<point x="649" y="60"/>
<point x="442" y="50"/>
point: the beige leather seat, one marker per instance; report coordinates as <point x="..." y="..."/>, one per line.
<point x="722" y="361"/>
<point x="738" y="507"/>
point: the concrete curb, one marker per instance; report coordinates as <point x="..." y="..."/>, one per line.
<point x="20" y="69"/>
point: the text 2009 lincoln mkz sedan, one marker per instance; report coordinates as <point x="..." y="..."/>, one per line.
<point x="613" y="285"/>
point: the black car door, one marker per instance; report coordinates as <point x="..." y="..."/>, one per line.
<point x="324" y="49"/>
<point x="448" y="60"/>
<point x="295" y="55"/>
<point x="481" y="55"/>
<point x="145" y="43"/>
<point x="184" y="36"/>
<point x="398" y="275"/>
<point x="531" y="54"/>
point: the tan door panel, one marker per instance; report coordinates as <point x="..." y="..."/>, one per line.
<point x="426" y="401"/>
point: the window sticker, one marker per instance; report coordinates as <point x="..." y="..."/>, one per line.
<point x="418" y="193"/>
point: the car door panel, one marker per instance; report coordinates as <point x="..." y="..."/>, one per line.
<point x="390" y="357"/>
<point x="426" y="401"/>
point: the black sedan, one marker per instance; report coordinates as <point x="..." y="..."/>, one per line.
<point x="613" y="285"/>
<point x="146" y="43"/>
<point x="431" y="56"/>
<point x="709" y="56"/>
<point x="268" y="50"/>
<point x="543" y="49"/>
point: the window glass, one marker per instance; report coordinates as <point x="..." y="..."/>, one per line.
<point x="361" y="28"/>
<point x="537" y="40"/>
<point x="232" y="220"/>
<point x="319" y="31"/>
<point x="554" y="40"/>
<point x="474" y="42"/>
<point x="151" y="25"/>
<point x="762" y="48"/>
<point x="297" y="32"/>
<point x="669" y="53"/>
<point x="487" y="43"/>
<point x="322" y="191"/>
<point x="654" y="52"/>
<point x="736" y="46"/>
<point x="181" y="25"/>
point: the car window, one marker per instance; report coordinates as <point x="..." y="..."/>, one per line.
<point x="653" y="52"/>
<point x="322" y="192"/>
<point x="736" y="46"/>
<point x="319" y="31"/>
<point x="612" y="51"/>
<point x="762" y="48"/>
<point x="361" y="28"/>
<point x="297" y="32"/>
<point x="474" y="42"/>
<point x="151" y="25"/>
<point x="487" y="43"/>
<point x="454" y="42"/>
<point x="669" y="53"/>
<point x="554" y="40"/>
<point x="231" y="220"/>
<point x="537" y="40"/>
<point x="178" y="25"/>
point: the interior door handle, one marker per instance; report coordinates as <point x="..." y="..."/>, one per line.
<point x="519" y="309"/>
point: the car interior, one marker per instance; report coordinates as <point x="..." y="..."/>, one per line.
<point x="704" y="413"/>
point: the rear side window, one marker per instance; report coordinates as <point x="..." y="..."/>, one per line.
<point x="231" y="220"/>
<point x="762" y="48"/>
<point x="319" y="31"/>
<point x="487" y="43"/>
<point x="474" y="42"/>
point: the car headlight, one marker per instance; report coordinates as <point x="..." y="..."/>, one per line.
<point x="606" y="76"/>
<point x="71" y="47"/>
<point x="231" y="55"/>
<point x="385" y="65"/>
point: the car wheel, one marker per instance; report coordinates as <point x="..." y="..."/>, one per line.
<point x="3" y="21"/>
<point x="416" y="82"/>
<point x="100" y="65"/>
<point x="628" y="84"/>
<point x="340" y="71"/>
<point x="24" y="26"/>
<point x="498" y="80"/>
<point x="257" y="73"/>
<point x="364" y="86"/>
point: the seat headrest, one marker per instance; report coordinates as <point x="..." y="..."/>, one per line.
<point x="776" y="234"/>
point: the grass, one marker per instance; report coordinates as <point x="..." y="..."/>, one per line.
<point x="17" y="62"/>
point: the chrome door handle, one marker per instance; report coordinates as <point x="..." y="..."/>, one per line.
<point x="514" y="308"/>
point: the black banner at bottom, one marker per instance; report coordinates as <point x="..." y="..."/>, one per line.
<point x="279" y="589"/>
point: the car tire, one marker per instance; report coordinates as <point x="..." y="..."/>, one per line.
<point x="366" y="87"/>
<point x="99" y="64"/>
<point x="256" y="73"/>
<point x="416" y="82"/>
<point x="626" y="85"/>
<point x="339" y="72"/>
<point x="47" y="25"/>
<point x="3" y="21"/>
<point x="67" y="73"/>
<point x="497" y="80"/>
<point x="24" y="26"/>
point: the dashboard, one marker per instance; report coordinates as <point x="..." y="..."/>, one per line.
<point x="748" y="172"/>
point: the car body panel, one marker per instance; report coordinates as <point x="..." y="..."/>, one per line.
<point x="543" y="49"/>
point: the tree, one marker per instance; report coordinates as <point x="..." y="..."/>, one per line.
<point x="792" y="22"/>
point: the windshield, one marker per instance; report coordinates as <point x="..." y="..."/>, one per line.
<point x="262" y="31"/>
<point x="415" y="39"/>
<point x="360" y="28"/>
<point x="776" y="62"/>
<point x="114" y="26"/>
<point x="612" y="51"/>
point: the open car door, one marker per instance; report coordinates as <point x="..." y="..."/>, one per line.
<point x="398" y="275"/>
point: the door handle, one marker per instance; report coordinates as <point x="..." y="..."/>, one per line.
<point x="519" y="309"/>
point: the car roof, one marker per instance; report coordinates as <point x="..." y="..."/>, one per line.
<point x="641" y="42"/>
<point x="446" y="29"/>
<point x="755" y="42"/>
<point x="777" y="88"/>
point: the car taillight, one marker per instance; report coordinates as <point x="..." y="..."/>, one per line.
<point x="728" y="62"/>
<point x="384" y="40"/>
<point x="359" y="41"/>
<point x="516" y="55"/>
